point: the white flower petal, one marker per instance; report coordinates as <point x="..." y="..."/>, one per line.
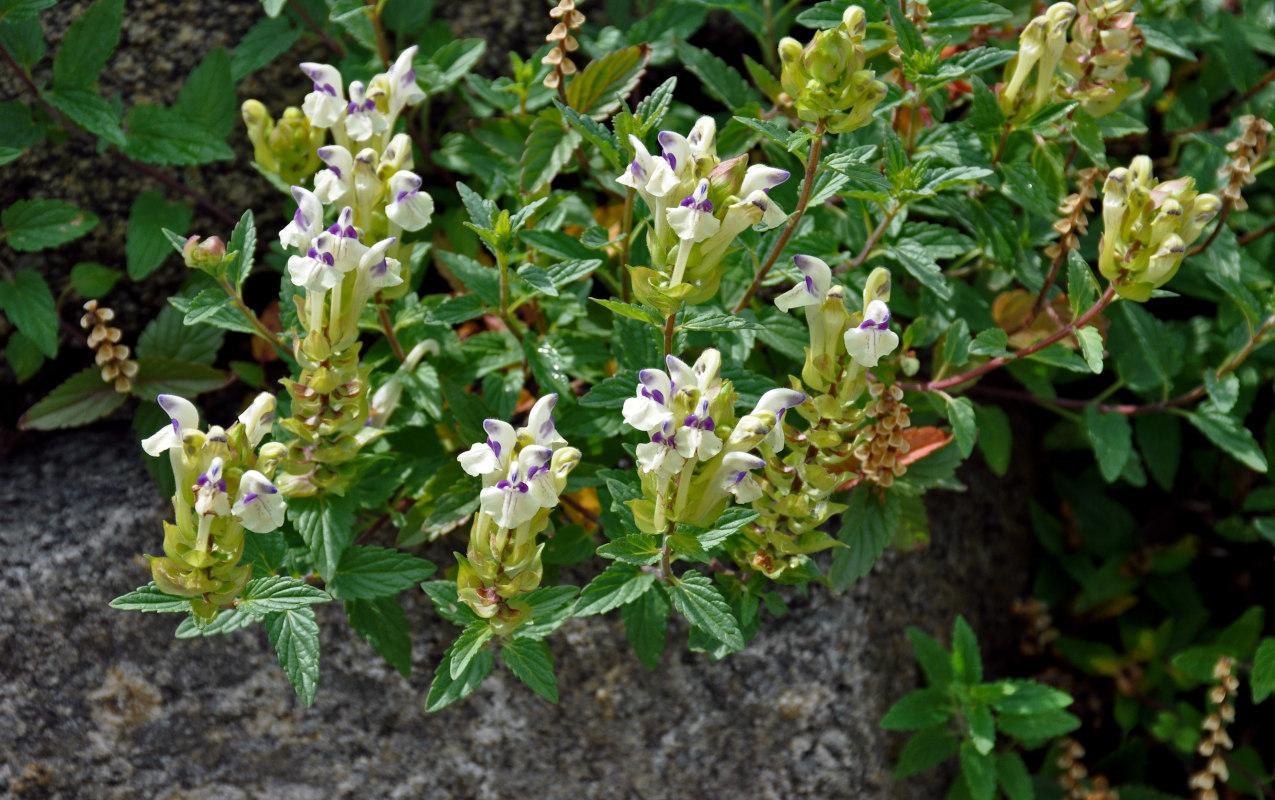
<point x="259" y="505"/>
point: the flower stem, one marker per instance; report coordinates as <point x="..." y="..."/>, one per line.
<point x="627" y="223"/>
<point x="383" y="314"/>
<point x="807" y="185"/>
<point x="1000" y="361"/>
<point x="258" y="326"/>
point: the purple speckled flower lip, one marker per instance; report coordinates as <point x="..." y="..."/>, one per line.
<point x="704" y="205"/>
<point x="868" y="324"/>
<point x="639" y="172"/>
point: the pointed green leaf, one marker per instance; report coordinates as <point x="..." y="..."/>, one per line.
<point x="646" y="625"/>
<point x="697" y="599"/>
<point x="960" y="413"/>
<point x="467" y="645"/>
<point x="446" y="690"/>
<point x="967" y="663"/>
<point x="326" y="524"/>
<point x="1230" y="435"/>
<point x="638" y="549"/>
<point x="1111" y="437"/>
<point x="146" y="244"/>
<point x="295" y="636"/>
<point x="925" y="750"/>
<point x="365" y="573"/>
<point x="263" y="596"/>
<point x="28" y="303"/>
<point x="89" y="110"/>
<point x="79" y="400"/>
<point x="549" y="148"/>
<point x="603" y="85"/>
<point x="934" y="659"/>
<point x="88" y="44"/>
<point x="382" y="624"/>
<point x="1013" y="777"/>
<point x="532" y="662"/>
<point x="618" y="585"/>
<point x="978" y="770"/>
<point x="40" y="223"/>
<point x="150" y="598"/>
<point x="920" y="708"/>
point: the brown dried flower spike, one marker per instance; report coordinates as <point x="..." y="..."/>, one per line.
<point x="111" y="356"/>
<point x="569" y="20"/>
<point x="882" y="443"/>
<point x="1245" y="151"/>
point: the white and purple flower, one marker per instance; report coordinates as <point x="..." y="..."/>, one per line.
<point x="259" y="506"/>
<point x="326" y="104"/>
<point x="411" y="208"/>
<point x="872" y="339"/>
<point x="183" y="417"/>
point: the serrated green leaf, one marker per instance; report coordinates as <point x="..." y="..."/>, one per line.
<point x="921" y="265"/>
<point x="967" y="663"/>
<point x="243" y="242"/>
<point x="1262" y="679"/>
<point x="538" y="278"/>
<point x="263" y="43"/>
<point x="89" y="110"/>
<point x="482" y="281"/>
<point x="159" y="135"/>
<point x="651" y="109"/>
<point x="956" y="343"/>
<point x="213" y="307"/>
<point x="731" y="520"/>
<point x="40" y="223"/>
<point x="1111" y="437"/>
<point x="443" y="596"/>
<point x="326" y="524"/>
<point x="551" y="606"/>
<point x="158" y="375"/>
<point x="1230" y="435"/>
<point x="640" y="313"/>
<point x="925" y="750"/>
<point x="978" y="719"/>
<point x="88" y="44"/>
<point x="920" y="708"/>
<point x="964" y="422"/>
<point x="28" y="303"/>
<point x="1035" y="729"/>
<point x="532" y="662"/>
<point x="150" y="598"/>
<point x="382" y="624"/>
<point x="207" y="98"/>
<point x="446" y="690"/>
<point x="366" y="573"/>
<point x="467" y="645"/>
<point x="24" y="39"/>
<point x="449" y="63"/>
<point x="867" y="525"/>
<point x="1224" y="392"/>
<point x="934" y="659"/>
<point x="696" y="598"/>
<point x="546" y="360"/>
<point x="602" y="86"/>
<point x="146" y="244"/>
<point x="620" y="584"/>
<point x="646" y="625"/>
<point x="978" y="771"/>
<point x="638" y="549"/>
<point x="995" y="438"/>
<point x="23" y="355"/>
<point x="1091" y="347"/>
<point x="966" y="13"/>
<point x="79" y="400"/>
<point x="991" y="342"/>
<point x="271" y="595"/>
<point x="1013" y="777"/>
<point x="711" y="320"/>
<point x="719" y="79"/>
<point x="1027" y="697"/>
<point x="295" y="636"/>
<point x="594" y="133"/>
<point x="227" y="621"/>
<point x="548" y="150"/>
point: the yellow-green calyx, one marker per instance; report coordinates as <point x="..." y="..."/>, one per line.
<point x="284" y="147"/>
<point x="1148" y="226"/>
<point x="827" y="79"/>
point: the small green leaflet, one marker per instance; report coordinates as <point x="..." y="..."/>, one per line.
<point x="145" y="243"/>
<point x="150" y="598"/>
<point x="1013" y="777"/>
<point x="327" y="526"/>
<point x="28" y="303"/>
<point x="92" y="280"/>
<point x="697" y="599"/>
<point x="88" y="44"/>
<point x="967" y="663"/>
<point x="446" y="690"/>
<point x="978" y="771"/>
<point x="960" y="413"/>
<point x="646" y="625"/>
<point x="264" y="596"/>
<point x="731" y="520"/>
<point x="467" y="645"/>
<point x="638" y="549"/>
<point x="620" y="584"/>
<point x="1111" y="437"/>
<point x="927" y="749"/>
<point x="382" y="624"/>
<point x="295" y="636"/>
<point x="365" y="573"/>
<point x="532" y="662"/>
<point x="920" y="708"/>
<point x="1230" y="435"/>
<point x="79" y="400"/>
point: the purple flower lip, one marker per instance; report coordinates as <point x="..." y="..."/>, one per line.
<point x="671" y="159"/>
<point x="249" y="497"/>
<point x="380" y="269"/>
<point x="653" y="394"/>
<point x="705" y="206"/>
<point x="638" y="170"/>
<point x="404" y="194"/>
<point x="325" y="88"/>
<point x="335" y="170"/>
<point x="495" y="447"/>
<point x="301" y="219"/>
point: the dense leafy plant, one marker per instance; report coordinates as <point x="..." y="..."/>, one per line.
<point x="568" y="326"/>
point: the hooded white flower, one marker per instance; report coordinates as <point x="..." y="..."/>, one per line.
<point x="734" y="476"/>
<point x="766" y="417"/>
<point x="403" y="88"/>
<point x="651" y="176"/>
<point x="696" y="438"/>
<point x="540" y="424"/>
<point x="378" y="271"/>
<point x="363" y="120"/>
<point x="706" y="375"/>
<point x="660" y="455"/>
<point x="651" y="409"/>
<point x="259" y="505"/>
<point x="693" y="219"/>
<point x="210" y="491"/>
<point x="811" y="292"/>
<point x="524" y="491"/>
<point x="326" y="104"/>
<point x="184" y="417"/>
<point x="258" y="417"/>
<point x="490" y="459"/>
<point x="755" y="190"/>
<point x="873" y="339"/>
<point x="306" y="223"/>
<point x="333" y="184"/>
<point x="411" y="209"/>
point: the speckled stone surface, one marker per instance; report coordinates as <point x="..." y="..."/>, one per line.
<point x="96" y="703"/>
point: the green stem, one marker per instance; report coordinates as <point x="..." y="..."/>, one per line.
<point x="259" y="328"/>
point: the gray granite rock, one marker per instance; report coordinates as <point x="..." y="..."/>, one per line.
<point x="96" y="703"/>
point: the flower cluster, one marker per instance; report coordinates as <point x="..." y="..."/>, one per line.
<point x="524" y="471"/>
<point x="118" y="368"/>
<point x="1147" y="227"/>
<point x="699" y="455"/>
<point x="367" y="117"/>
<point x="699" y="204"/>
<point x="1214" y="736"/>
<point x="799" y="484"/>
<point x="224" y="486"/>
<point x="1103" y="43"/>
<point x="828" y="80"/>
